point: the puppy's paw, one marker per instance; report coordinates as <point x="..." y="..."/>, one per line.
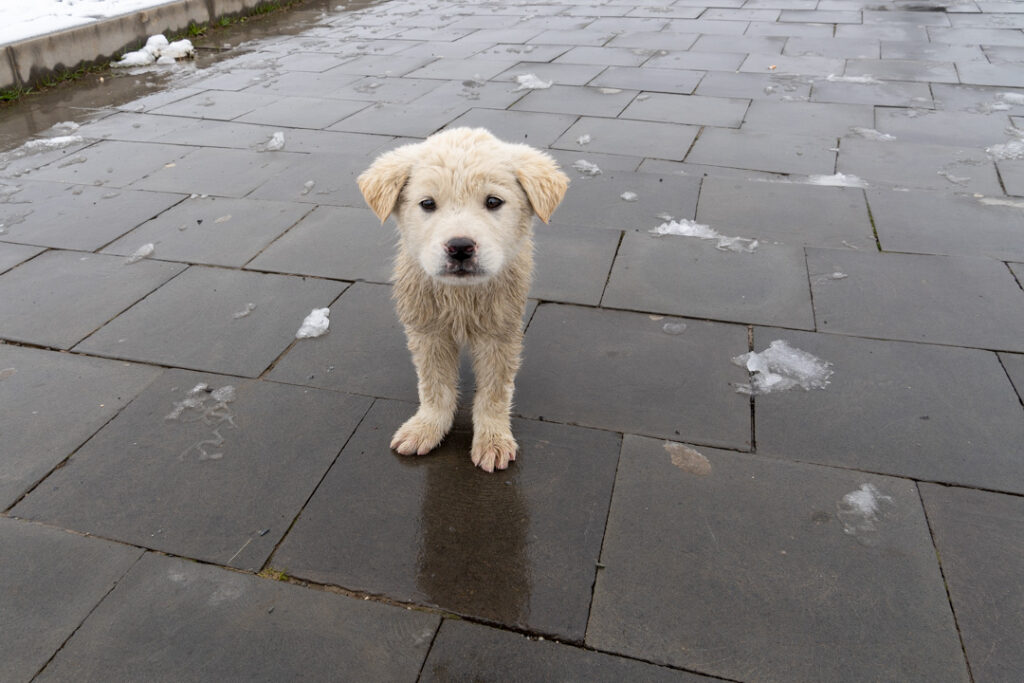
<point x="493" y="452"/>
<point x="418" y="436"/>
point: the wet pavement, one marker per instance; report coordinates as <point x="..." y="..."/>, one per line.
<point x="190" y="493"/>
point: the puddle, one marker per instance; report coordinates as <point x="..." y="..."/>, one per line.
<point x="687" y="459"/>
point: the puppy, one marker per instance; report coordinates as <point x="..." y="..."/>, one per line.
<point x="464" y="203"/>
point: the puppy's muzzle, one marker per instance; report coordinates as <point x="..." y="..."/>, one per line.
<point x="462" y="259"/>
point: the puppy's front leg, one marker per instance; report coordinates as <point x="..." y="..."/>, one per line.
<point x="495" y="363"/>
<point x="436" y="358"/>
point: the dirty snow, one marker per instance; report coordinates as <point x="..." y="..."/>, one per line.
<point x="157" y="49"/>
<point x="860" y="510"/>
<point x="145" y="251"/>
<point x="29" y="18"/>
<point x="836" y="180"/>
<point x="531" y="82"/>
<point x="688" y="228"/>
<point x="315" y="324"/>
<point x="587" y="168"/>
<point x="781" y="367"/>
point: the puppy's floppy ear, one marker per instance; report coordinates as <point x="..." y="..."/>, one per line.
<point x="383" y="181"/>
<point x="544" y="184"/>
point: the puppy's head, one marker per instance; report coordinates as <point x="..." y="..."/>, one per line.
<point x="464" y="200"/>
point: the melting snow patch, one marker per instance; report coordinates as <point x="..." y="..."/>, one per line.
<point x="1014" y="149"/>
<point x="781" y="367"/>
<point x="315" y="324"/>
<point x="145" y="251"/>
<point x="307" y="187"/>
<point x="688" y="228"/>
<point x="587" y="168"/>
<point x="159" y="50"/>
<point x="583" y="140"/>
<point x="249" y="308"/>
<point x="836" y="180"/>
<point x="275" y="143"/>
<point x="46" y="144"/>
<point x="1011" y="97"/>
<point x="531" y="82"/>
<point x="866" y="78"/>
<point x="209" y="406"/>
<point x="872" y="134"/>
<point x="610" y="91"/>
<point x="859" y="510"/>
<point x="628" y="196"/>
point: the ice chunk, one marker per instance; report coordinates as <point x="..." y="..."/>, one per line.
<point x="583" y="140"/>
<point x="1011" y="97"/>
<point x="872" y="134"/>
<point x="531" y="82"/>
<point x="836" y="180"/>
<point x="610" y="91"/>
<point x="628" y="196"/>
<point x="587" y="168"/>
<point x="249" y="308"/>
<point x="866" y="78"/>
<point x="307" y="187"/>
<point x="315" y="324"/>
<point x="1014" y="149"/>
<point x="145" y="251"/>
<point x="275" y="143"/>
<point x="673" y="328"/>
<point x="688" y="228"/>
<point x="860" y="510"/>
<point x="781" y="367"/>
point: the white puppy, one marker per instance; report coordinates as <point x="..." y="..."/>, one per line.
<point x="464" y="203"/>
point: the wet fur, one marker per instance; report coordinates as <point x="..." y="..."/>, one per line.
<point x="440" y="314"/>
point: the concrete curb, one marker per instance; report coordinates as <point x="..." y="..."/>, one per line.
<point x="25" y="62"/>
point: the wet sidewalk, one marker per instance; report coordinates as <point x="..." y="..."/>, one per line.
<point x="190" y="493"/>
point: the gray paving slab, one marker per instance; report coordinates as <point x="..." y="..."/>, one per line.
<point x="170" y="618"/>
<point x="223" y="172"/>
<point x="680" y="81"/>
<point x="336" y="85"/>
<point x="477" y="92"/>
<point x="463" y="68"/>
<point x="918" y="165"/>
<point x="50" y="404"/>
<point x="52" y="580"/>
<point x="533" y="128"/>
<point x="112" y="163"/>
<point x="302" y="112"/>
<point x="794" y="66"/>
<point x="13" y="254"/>
<point x="1014" y="366"/>
<point x="322" y="178"/>
<point x="929" y="51"/>
<point x="40" y="213"/>
<point x="958" y="300"/>
<point x="467" y="651"/>
<point x="977" y="99"/>
<point x="305" y="61"/>
<point x="955" y="128"/>
<point x="943" y="223"/>
<point x="572" y="37"/>
<point x="755" y="86"/>
<point x="577" y="101"/>
<point x="606" y="162"/>
<point x="191" y="322"/>
<point x="976" y="535"/>
<point x="596" y="202"/>
<point x="692" y="109"/>
<point x="364" y="352"/>
<point x="838" y="17"/>
<point x="131" y="126"/>
<point x="691" y="277"/>
<point x="935" y="413"/>
<point x="789" y="30"/>
<point x="778" y="212"/>
<point x="220" y="482"/>
<point x="401" y="119"/>
<point x="572" y="264"/>
<point x="976" y="36"/>
<point x="223" y="105"/>
<point x="886" y="93"/>
<point x="604" y="56"/>
<point x="764" y="151"/>
<point x="391" y="66"/>
<point x="213" y="231"/>
<point x="1012" y="174"/>
<point x="562" y="74"/>
<point x="631" y="138"/>
<point x="824" y="593"/>
<point x="807" y="118"/>
<point x="538" y="53"/>
<point x="708" y="27"/>
<point x="912" y="17"/>
<point x="847" y="48"/>
<point x="210" y="133"/>
<point x="335" y="242"/>
<point x="901" y="32"/>
<point x="435" y="530"/>
<point x="621" y="370"/>
<point x="913" y="70"/>
<point x="61" y="297"/>
<point x="740" y="44"/>
<point x="672" y="58"/>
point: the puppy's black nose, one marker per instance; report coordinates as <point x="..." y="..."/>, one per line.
<point x="460" y="248"/>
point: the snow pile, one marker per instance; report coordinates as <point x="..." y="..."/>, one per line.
<point x="145" y="251"/>
<point x="159" y="50"/>
<point x="315" y="324"/>
<point x="860" y="509"/>
<point x="47" y="144"/>
<point x="688" y="228"/>
<point x="781" y="367"/>
<point x="836" y="180"/>
<point x="1014" y="149"/>
<point x="1011" y="97"/>
<point x="531" y="82"/>
<point x="587" y="168"/>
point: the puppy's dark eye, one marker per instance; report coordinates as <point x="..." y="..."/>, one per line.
<point x="493" y="202"/>
<point x="428" y="205"/>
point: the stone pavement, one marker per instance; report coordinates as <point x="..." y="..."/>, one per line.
<point x="659" y="524"/>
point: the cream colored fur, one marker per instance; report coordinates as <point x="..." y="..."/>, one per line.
<point x="459" y="170"/>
